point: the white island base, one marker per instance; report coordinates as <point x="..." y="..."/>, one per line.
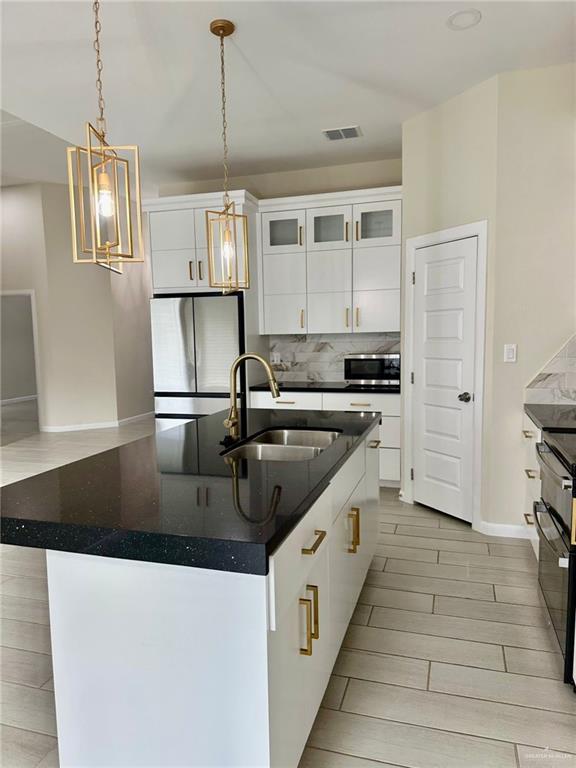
<point x="164" y="665"/>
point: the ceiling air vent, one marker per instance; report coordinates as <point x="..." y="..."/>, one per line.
<point x="335" y="134"/>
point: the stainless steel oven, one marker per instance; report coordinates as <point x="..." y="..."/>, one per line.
<point x="557" y="555"/>
<point x="373" y="370"/>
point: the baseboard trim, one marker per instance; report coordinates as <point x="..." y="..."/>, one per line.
<point x="25" y="399"/>
<point x="505" y="530"/>
<point x="97" y="424"/>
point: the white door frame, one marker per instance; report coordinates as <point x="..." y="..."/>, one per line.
<point x="477" y="229"/>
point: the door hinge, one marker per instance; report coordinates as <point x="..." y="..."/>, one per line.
<point x="412" y="377"/>
<point x="412" y="474"/>
<point x="413" y="278"/>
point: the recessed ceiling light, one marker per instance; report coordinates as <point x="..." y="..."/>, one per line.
<point x="462" y="20"/>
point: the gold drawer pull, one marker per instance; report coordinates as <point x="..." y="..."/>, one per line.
<point x="531" y="474"/>
<point x="200" y="271"/>
<point x="528" y="518"/>
<point x="528" y="434"/>
<point x="354" y="515"/>
<point x="307" y="603"/>
<point x="374" y="443"/>
<point x="315" y="611"/>
<point x="300" y="240"/>
<point x="286" y="402"/>
<point x="360" y="405"/>
<point x="321" y="535"/>
<point x="191" y="270"/>
<point x="357" y="230"/>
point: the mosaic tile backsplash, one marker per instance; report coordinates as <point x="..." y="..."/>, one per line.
<point x="556" y="383"/>
<point x="321" y="357"/>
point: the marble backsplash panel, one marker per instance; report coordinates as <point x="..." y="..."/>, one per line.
<point x="556" y="383"/>
<point x="321" y="357"/>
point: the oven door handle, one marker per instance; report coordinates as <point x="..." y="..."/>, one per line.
<point x="540" y="508"/>
<point x="552" y="466"/>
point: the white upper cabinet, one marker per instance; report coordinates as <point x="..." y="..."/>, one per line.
<point x="175" y="269"/>
<point x="330" y="312"/>
<point x="376" y="311"/>
<point x="283" y="232"/>
<point x="376" y="268"/>
<point x="200" y="228"/>
<point x="329" y="228"/>
<point x="329" y="271"/>
<point x="172" y="230"/>
<point x="284" y="273"/>
<point x="377" y="224"/>
<point x="285" y="313"/>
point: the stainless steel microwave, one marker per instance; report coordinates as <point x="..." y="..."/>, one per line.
<point x="373" y="370"/>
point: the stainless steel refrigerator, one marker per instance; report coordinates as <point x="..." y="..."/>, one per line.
<point x="195" y="339"/>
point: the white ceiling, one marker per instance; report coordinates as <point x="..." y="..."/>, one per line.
<point x="294" y="69"/>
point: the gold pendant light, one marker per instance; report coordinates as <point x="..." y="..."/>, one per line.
<point x="104" y="187"/>
<point x="227" y="231"/>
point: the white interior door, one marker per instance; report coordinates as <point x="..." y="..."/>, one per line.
<point x="444" y="364"/>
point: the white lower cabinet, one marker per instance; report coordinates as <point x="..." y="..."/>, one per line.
<point x="297" y="401"/>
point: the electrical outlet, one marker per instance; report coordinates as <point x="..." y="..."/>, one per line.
<point x="276" y="358"/>
<point x="510" y="353"/>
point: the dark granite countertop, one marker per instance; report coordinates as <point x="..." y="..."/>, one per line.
<point x="170" y="497"/>
<point x="552" y="418"/>
<point x="324" y="386"/>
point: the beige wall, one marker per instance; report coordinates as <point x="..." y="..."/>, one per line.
<point x="92" y="326"/>
<point x="504" y="151"/>
<point x="17" y="362"/>
<point x="310" y="181"/>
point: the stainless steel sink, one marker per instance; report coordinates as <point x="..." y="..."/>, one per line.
<point x="272" y="452"/>
<point x="315" y="438"/>
<point x="285" y="445"/>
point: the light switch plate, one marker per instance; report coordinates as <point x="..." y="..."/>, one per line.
<point x="510" y="353"/>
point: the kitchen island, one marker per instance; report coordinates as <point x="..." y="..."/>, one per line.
<point x="198" y="599"/>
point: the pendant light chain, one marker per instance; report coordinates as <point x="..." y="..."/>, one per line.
<point x="97" y="29"/>
<point x="224" y="122"/>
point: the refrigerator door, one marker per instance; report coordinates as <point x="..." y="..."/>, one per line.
<point x="217" y="341"/>
<point x="173" y="352"/>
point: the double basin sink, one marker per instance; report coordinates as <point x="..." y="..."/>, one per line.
<point x="285" y="445"/>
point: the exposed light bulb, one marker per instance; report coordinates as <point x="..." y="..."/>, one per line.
<point x="228" y="252"/>
<point x="105" y="200"/>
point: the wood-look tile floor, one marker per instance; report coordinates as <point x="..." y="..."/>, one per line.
<point x="449" y="661"/>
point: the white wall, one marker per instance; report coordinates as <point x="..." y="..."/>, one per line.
<point x="310" y="181"/>
<point x="504" y="151"/>
<point x="17" y="361"/>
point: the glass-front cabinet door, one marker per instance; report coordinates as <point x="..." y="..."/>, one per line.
<point x="283" y="232"/>
<point x="377" y="224"/>
<point x="329" y="228"/>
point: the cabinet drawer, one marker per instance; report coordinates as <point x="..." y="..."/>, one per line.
<point x="390" y="432"/>
<point x="390" y="464"/>
<point x="388" y="405"/>
<point x="289" y="566"/>
<point x="347" y="479"/>
<point x="191" y="406"/>
<point x="299" y="401"/>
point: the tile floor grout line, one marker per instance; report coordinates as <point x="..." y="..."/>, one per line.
<point x="344" y="694"/>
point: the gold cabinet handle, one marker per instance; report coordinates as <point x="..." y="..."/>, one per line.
<point x="200" y="271"/>
<point x="315" y="611"/>
<point x="346" y="234"/>
<point x="286" y="402"/>
<point x="573" y="537"/>
<point x="307" y="603"/>
<point x="301" y="318"/>
<point x="347" y="317"/>
<point x="528" y="518"/>
<point x="528" y="434"/>
<point x="300" y="235"/>
<point x="360" y="405"/>
<point x="357" y="230"/>
<point x="354" y="515"/>
<point x="357" y="317"/>
<point x="321" y="535"/>
<point x="374" y="443"/>
<point x="191" y="270"/>
<point x="531" y="474"/>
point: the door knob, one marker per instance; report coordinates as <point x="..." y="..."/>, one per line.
<point x="465" y="397"/>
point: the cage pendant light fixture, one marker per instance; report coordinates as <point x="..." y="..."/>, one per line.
<point x="227" y="231"/>
<point x="104" y="188"/>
